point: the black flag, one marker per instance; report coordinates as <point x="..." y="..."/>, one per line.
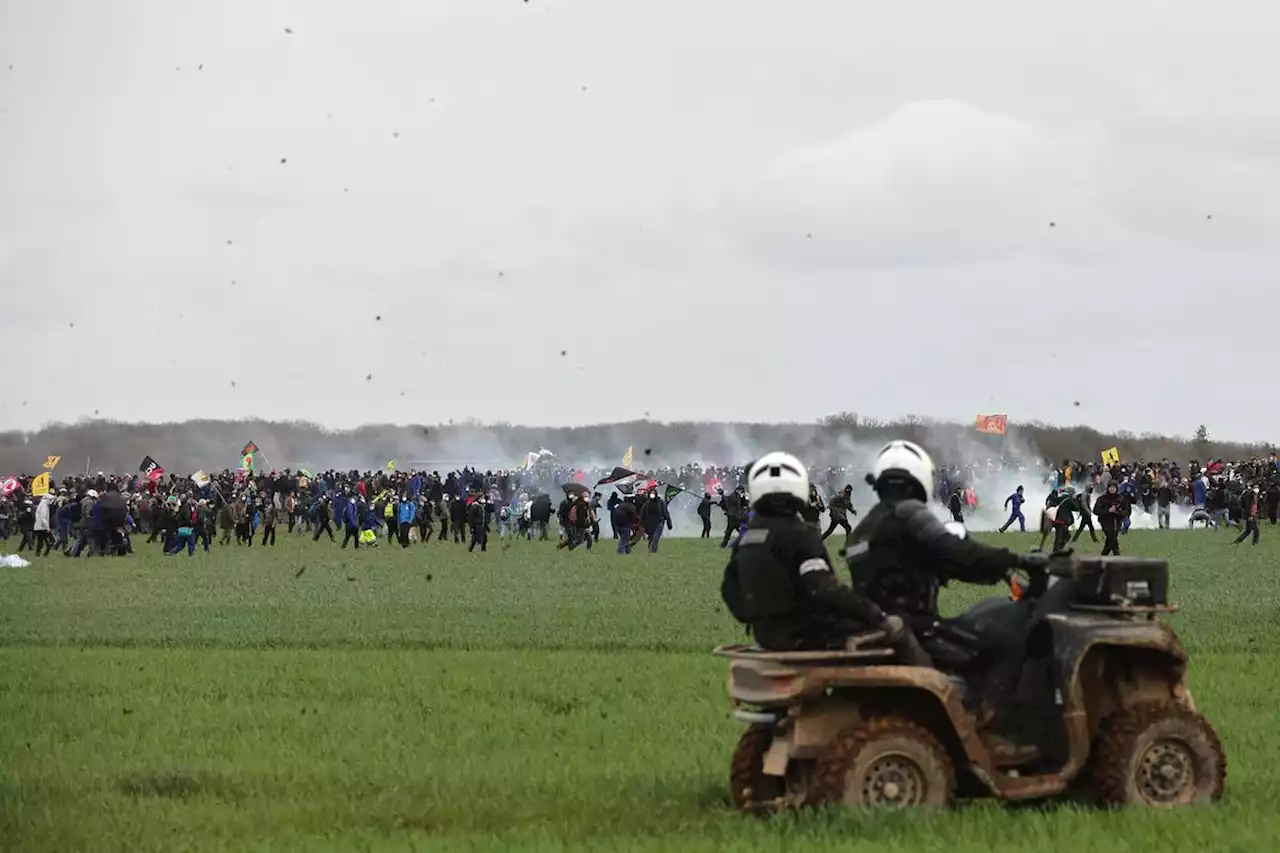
<point x="617" y="474"/>
<point x="151" y="468"/>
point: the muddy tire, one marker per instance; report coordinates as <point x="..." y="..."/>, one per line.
<point x="888" y="762"/>
<point x="1158" y="755"/>
<point x="750" y="787"/>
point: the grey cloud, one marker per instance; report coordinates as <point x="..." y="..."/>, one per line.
<point x="924" y="147"/>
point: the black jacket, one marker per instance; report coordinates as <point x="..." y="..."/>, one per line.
<point x="900" y="555"/>
<point x="779" y="582"/>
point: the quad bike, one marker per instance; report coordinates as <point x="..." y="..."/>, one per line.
<point x="1102" y="706"/>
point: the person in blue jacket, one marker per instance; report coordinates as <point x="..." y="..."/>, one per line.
<point x="350" y="522"/>
<point x="406" y="514"/>
<point x="1014" y="503"/>
<point x="1199" y="489"/>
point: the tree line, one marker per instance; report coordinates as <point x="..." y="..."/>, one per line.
<point x="106" y="445"/>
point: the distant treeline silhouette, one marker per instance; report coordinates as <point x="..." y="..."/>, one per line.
<point x="213" y="445"/>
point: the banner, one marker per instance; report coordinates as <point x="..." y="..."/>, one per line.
<point x="151" y="468"/>
<point x="616" y="475"/>
<point x="1111" y="456"/>
<point x="51" y="462"/>
<point x="40" y="485"/>
<point x="992" y="424"/>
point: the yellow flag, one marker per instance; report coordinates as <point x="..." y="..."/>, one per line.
<point x="626" y="458"/>
<point x="40" y="485"/>
<point x="1111" y="456"/>
<point x="391" y="466"/>
<point x="51" y="462"/>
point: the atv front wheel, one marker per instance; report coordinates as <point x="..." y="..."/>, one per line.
<point x="750" y="787"/>
<point x="1157" y="754"/>
<point x="887" y="762"/>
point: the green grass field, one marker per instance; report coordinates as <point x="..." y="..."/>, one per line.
<point x="436" y="700"/>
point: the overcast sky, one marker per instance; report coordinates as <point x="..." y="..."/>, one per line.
<point x="793" y="208"/>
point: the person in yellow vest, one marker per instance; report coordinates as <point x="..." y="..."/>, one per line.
<point x="389" y="517"/>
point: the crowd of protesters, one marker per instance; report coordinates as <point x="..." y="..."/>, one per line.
<point x="110" y="514"/>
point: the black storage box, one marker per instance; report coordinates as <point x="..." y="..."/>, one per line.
<point x="1122" y="581"/>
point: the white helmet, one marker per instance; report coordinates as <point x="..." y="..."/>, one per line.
<point x="778" y="473"/>
<point x="908" y="459"/>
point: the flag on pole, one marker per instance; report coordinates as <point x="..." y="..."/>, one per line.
<point x="992" y="424"/>
<point x="616" y="475"/>
<point x="51" y="462"/>
<point x="151" y="468"/>
<point x="40" y="485"/>
<point x="627" y="458"/>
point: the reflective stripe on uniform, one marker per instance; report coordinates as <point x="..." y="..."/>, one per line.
<point x="816" y="564"/>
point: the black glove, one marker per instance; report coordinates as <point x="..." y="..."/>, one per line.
<point x="1033" y="561"/>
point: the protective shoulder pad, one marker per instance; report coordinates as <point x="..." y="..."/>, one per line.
<point x="918" y="519"/>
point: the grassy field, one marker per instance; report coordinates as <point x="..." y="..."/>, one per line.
<point x="313" y="699"/>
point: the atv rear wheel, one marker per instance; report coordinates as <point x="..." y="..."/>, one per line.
<point x="1157" y="754"/>
<point x="887" y="762"/>
<point x="750" y="787"/>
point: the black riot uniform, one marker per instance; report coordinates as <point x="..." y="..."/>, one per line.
<point x="900" y="555"/>
<point x="780" y="583"/>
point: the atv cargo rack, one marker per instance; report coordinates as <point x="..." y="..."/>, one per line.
<point x="856" y="651"/>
